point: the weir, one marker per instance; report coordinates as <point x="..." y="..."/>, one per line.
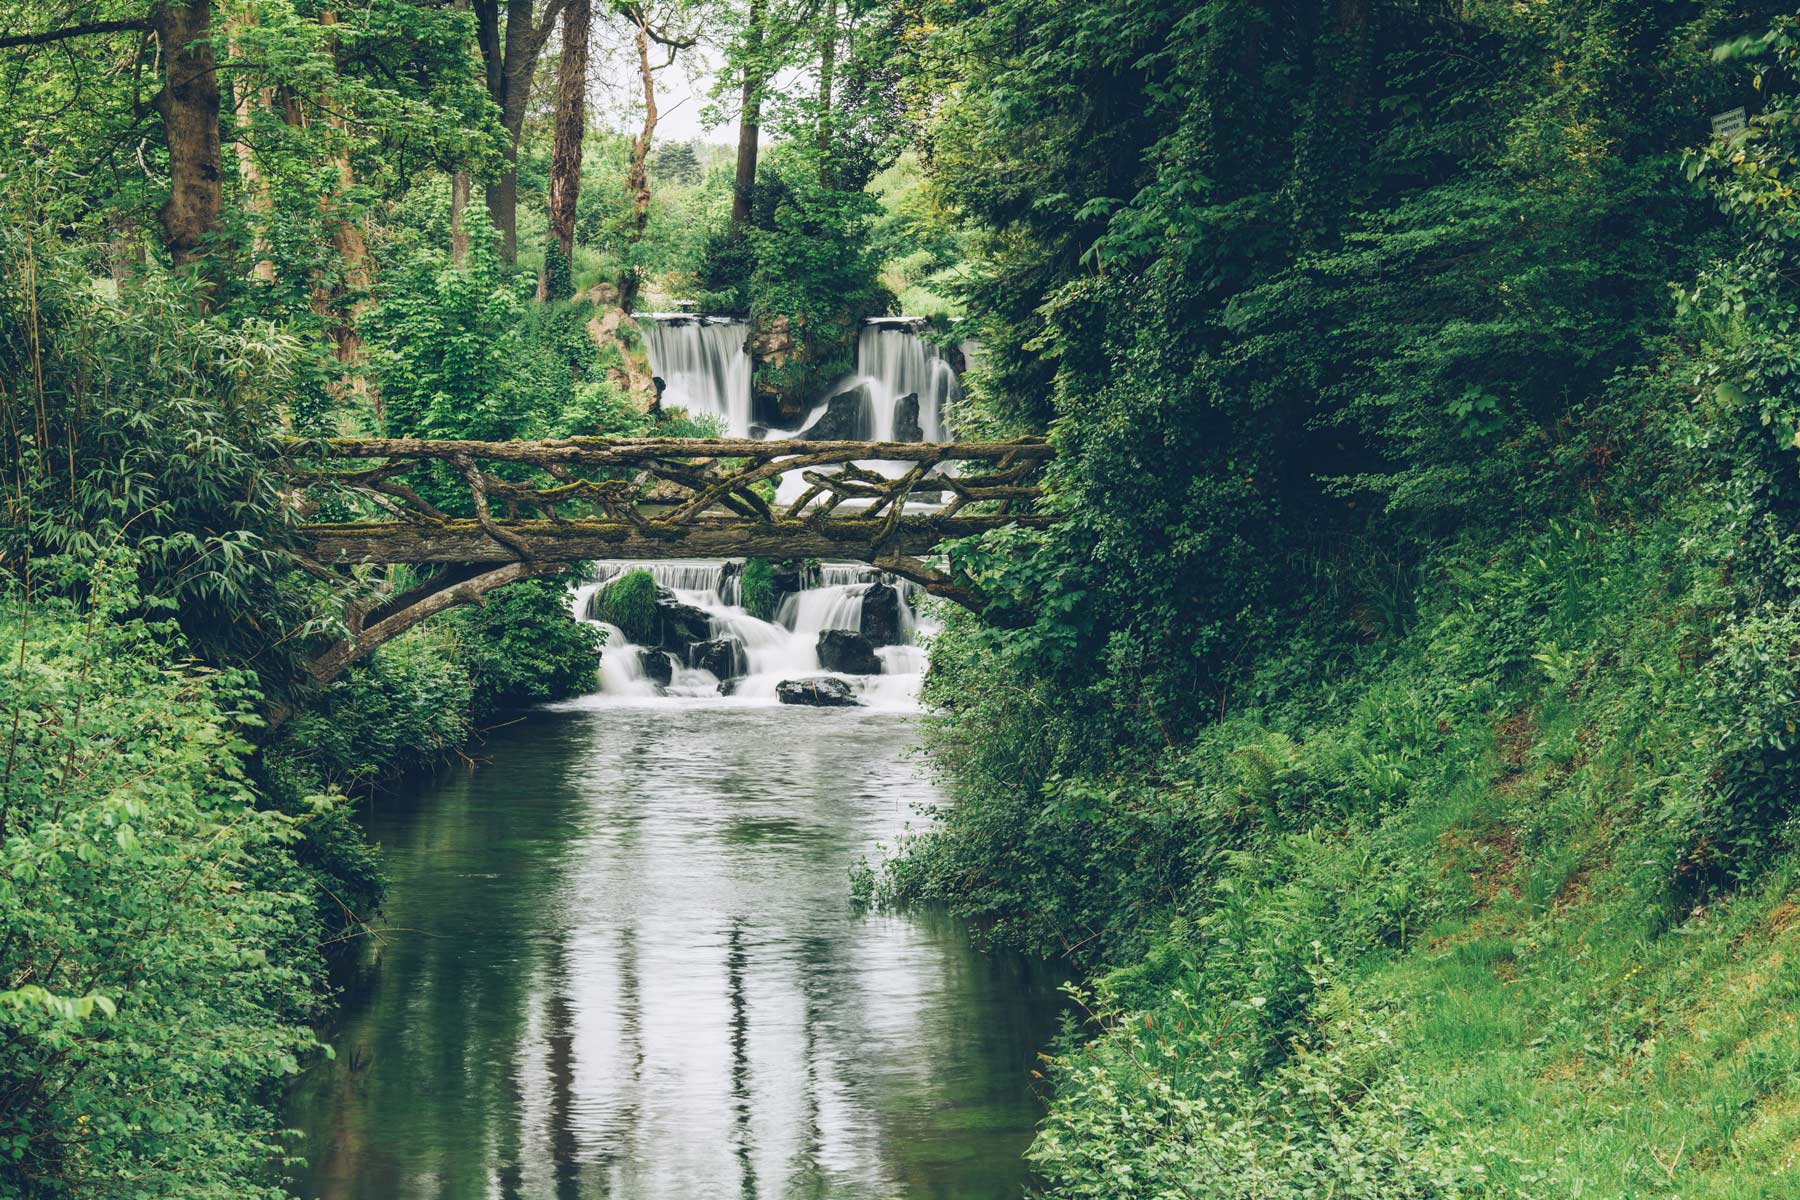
<point x="902" y="388"/>
<point x="838" y="633"/>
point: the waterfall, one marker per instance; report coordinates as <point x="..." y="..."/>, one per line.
<point x="898" y="362"/>
<point x="761" y="654"/>
<point x="704" y="364"/>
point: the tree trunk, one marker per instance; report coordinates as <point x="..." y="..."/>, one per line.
<point x="555" y="281"/>
<point x="749" y="119"/>
<point x="511" y="61"/>
<point x="459" y="231"/>
<point x="350" y="296"/>
<point x="827" y="63"/>
<point x="189" y="104"/>
<point x="459" y="181"/>
<point x="247" y="102"/>
<point x="637" y="174"/>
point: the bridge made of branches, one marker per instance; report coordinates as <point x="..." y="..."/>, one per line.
<point x="478" y="515"/>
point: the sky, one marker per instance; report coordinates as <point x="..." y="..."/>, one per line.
<point x="681" y="90"/>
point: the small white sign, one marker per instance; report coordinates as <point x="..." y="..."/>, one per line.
<point x="1727" y="124"/>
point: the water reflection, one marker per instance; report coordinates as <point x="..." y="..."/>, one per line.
<point x="621" y="963"/>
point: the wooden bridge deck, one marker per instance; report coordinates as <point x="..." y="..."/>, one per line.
<point x="490" y="513"/>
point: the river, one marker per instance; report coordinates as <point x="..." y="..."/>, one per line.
<point x="619" y="959"/>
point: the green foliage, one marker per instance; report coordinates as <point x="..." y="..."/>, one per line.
<point x="134" y="425"/>
<point x="756" y="588"/>
<point x="630" y="603"/>
<point x="1372" y="318"/>
<point x="522" y="648"/>
<point x="464" y="355"/>
<point x="405" y="707"/>
<point x="156" y="943"/>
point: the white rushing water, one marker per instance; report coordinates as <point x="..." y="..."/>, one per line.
<point x="894" y="362"/>
<point x="704" y="364"/>
<point x="764" y="653"/>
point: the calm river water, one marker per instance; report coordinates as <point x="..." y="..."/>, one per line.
<point x="619" y="960"/>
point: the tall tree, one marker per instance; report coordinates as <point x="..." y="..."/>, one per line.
<point x="637" y="172"/>
<point x="749" y="119"/>
<point x="510" y="57"/>
<point x="827" y="66"/>
<point x="189" y="104"/>
<point x="554" y="281"/>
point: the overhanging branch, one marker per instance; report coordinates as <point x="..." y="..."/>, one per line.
<point x="89" y="29"/>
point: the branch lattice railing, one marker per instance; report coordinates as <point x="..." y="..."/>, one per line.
<point x="401" y="500"/>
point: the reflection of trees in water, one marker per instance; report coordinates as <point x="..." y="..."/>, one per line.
<point x="509" y="1053"/>
<point x="744" y="1143"/>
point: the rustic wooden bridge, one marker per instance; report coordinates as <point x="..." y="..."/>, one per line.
<point x="490" y="513"/>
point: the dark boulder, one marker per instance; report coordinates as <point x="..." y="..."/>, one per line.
<point x="846" y="418"/>
<point x="848" y="652"/>
<point x="907" y="427"/>
<point x="794" y="575"/>
<point x="881" y="615"/>
<point x="680" y="625"/>
<point x="724" y="657"/>
<point x="819" y="691"/>
<point x="658" y="667"/>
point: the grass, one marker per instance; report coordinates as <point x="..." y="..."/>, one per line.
<point x="1485" y="830"/>
<point x="758" y="588"/>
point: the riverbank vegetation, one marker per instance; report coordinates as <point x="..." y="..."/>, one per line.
<point x="1400" y="727"/>
<point x="1397" y="732"/>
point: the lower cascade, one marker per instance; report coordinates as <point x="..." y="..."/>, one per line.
<point x="838" y="635"/>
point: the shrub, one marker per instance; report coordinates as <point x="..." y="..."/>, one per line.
<point x="524" y="647"/>
<point x="757" y="588"/>
<point x="154" y="932"/>
<point x="630" y="603"/>
<point x="406" y="706"/>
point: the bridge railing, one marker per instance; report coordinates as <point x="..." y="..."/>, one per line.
<point x="408" y="500"/>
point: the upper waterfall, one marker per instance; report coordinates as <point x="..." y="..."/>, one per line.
<point x="704" y="364"/>
<point x="900" y="390"/>
<point x="897" y="362"/>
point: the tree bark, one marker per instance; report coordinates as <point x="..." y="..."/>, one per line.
<point x="827" y="64"/>
<point x="350" y="296"/>
<point x="189" y="104"/>
<point x="459" y="180"/>
<point x="749" y="121"/>
<point x="510" y="57"/>
<point x="247" y="102"/>
<point x="637" y="173"/>
<point x="459" y="231"/>
<point x="555" y="281"/>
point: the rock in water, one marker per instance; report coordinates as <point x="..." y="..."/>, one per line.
<point x="724" y="657"/>
<point x="793" y="575"/>
<point x="849" y="652"/>
<point x="680" y="625"/>
<point x="907" y="427"/>
<point x="881" y="615"/>
<point x="819" y="691"/>
<point x="659" y="668"/>
<point x="846" y="418"/>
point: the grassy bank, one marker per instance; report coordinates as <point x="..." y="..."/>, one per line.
<point x="1501" y="902"/>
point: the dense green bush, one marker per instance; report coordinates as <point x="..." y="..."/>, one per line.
<point x="407" y="706"/>
<point x="157" y="949"/>
<point x="630" y="603"/>
<point x="521" y="647"/>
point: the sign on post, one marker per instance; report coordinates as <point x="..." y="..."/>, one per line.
<point x="1729" y="124"/>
